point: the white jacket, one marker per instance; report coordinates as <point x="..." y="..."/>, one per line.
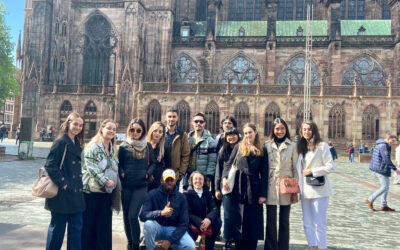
<point x="321" y="165"/>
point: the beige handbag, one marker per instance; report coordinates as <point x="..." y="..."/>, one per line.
<point x="44" y="187"/>
<point x="231" y="176"/>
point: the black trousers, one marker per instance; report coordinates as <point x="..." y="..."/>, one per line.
<point x="97" y="222"/>
<point x="132" y="200"/>
<point x="245" y="244"/>
<point x="272" y="240"/>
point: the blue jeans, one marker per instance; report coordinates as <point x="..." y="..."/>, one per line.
<point x="154" y="232"/>
<point x="383" y="190"/>
<point x="351" y="157"/>
<point x="55" y="234"/>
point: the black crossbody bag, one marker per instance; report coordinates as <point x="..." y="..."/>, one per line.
<point x="314" y="181"/>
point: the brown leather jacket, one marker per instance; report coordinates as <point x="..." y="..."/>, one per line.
<point x="180" y="154"/>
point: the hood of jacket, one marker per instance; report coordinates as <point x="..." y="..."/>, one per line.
<point x="381" y="141"/>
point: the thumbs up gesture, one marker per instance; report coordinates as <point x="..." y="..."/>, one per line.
<point x="167" y="211"/>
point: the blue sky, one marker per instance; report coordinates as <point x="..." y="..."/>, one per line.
<point x="15" y="18"/>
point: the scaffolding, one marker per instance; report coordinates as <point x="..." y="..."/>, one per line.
<point x="307" y="69"/>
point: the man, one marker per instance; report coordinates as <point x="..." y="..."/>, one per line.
<point x="203" y="155"/>
<point x="227" y="123"/>
<point x="176" y="146"/>
<point x="3" y="130"/>
<point x="166" y="217"/>
<point x="381" y="165"/>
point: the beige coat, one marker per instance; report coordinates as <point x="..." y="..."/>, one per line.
<point x="282" y="163"/>
<point x="321" y="165"/>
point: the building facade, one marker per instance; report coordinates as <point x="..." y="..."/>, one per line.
<point x="7" y="113"/>
<point x="133" y="58"/>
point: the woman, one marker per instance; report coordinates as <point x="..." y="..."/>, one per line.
<point x="231" y="138"/>
<point x="156" y="137"/>
<point x="333" y="150"/>
<point x="250" y="189"/>
<point x="67" y="206"/>
<point x="136" y="168"/>
<point x="315" y="160"/>
<point x="203" y="212"/>
<point x="282" y="156"/>
<point x="100" y="179"/>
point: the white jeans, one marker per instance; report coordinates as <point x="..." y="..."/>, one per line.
<point x="314" y="220"/>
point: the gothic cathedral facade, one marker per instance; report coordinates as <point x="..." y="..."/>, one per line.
<point x="121" y="59"/>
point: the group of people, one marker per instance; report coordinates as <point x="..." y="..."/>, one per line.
<point x="235" y="172"/>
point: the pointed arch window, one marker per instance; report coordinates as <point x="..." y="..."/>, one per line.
<point x="300" y="118"/>
<point x="366" y="72"/>
<point x="239" y="71"/>
<point x="90" y="117"/>
<point x="293" y="9"/>
<point x="212" y="117"/>
<point x="153" y="112"/>
<point x="294" y="72"/>
<point x="99" y="43"/>
<point x="242" y="115"/>
<point x="385" y="10"/>
<point x="370" y="123"/>
<point x="337" y="122"/>
<point x="55" y="64"/>
<point x="184" y="115"/>
<point x="64" y="29"/>
<point x="201" y="10"/>
<point x="271" y="113"/>
<point x="57" y="28"/>
<point x="65" y="110"/>
<point x="185" y="70"/>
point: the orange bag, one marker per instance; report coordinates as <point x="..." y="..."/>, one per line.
<point x="288" y="185"/>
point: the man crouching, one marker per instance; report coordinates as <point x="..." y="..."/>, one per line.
<point x="166" y="217"/>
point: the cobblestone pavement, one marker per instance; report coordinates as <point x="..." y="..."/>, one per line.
<point x="351" y="225"/>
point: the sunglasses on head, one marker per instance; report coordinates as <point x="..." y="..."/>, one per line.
<point x="199" y="121"/>
<point x="135" y="130"/>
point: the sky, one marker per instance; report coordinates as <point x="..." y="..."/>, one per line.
<point x="14" y="19"/>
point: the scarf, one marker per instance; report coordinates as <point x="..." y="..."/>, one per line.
<point x="279" y="141"/>
<point x="137" y="147"/>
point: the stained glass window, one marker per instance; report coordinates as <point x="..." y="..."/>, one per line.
<point x="245" y="10"/>
<point x="184" y="115"/>
<point x="65" y="110"/>
<point x="352" y="9"/>
<point x="271" y="113"/>
<point x="242" y="115"/>
<point x="185" y="70"/>
<point x="90" y="116"/>
<point x="153" y="112"/>
<point x="239" y="71"/>
<point x="366" y="72"/>
<point x="294" y="72"/>
<point x="212" y="117"/>
<point x="385" y="10"/>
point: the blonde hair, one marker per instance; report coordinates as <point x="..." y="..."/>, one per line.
<point x="99" y="138"/>
<point x="161" y="144"/>
<point x="256" y="148"/>
<point x="64" y="127"/>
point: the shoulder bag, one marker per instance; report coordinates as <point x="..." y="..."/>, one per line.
<point x="231" y="176"/>
<point x="288" y="185"/>
<point x="314" y="181"/>
<point x="44" y="187"/>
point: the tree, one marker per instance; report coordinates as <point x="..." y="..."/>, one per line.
<point x="9" y="86"/>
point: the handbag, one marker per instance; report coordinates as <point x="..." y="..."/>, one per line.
<point x="314" y="181"/>
<point x="193" y="229"/>
<point x="231" y="176"/>
<point x="288" y="185"/>
<point x="44" y="187"/>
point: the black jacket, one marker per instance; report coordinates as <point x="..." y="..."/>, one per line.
<point x="135" y="170"/>
<point x="223" y="156"/>
<point x="159" y="168"/>
<point x="156" y="200"/>
<point x="201" y="208"/>
<point x="70" y="200"/>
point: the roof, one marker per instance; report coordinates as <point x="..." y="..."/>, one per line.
<point x="372" y="27"/>
<point x="289" y="28"/>
<point x="251" y="28"/>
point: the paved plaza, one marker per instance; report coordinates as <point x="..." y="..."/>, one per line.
<point x="24" y="221"/>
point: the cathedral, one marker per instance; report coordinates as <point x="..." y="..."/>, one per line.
<point x="121" y="59"/>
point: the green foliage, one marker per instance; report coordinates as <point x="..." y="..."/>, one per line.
<point x="9" y="86"/>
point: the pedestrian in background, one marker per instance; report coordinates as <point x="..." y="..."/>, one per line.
<point x="249" y="191"/>
<point x="350" y="150"/>
<point x="100" y="184"/>
<point x="156" y="137"/>
<point x="68" y="205"/>
<point x="382" y="165"/>
<point x="313" y="165"/>
<point x="333" y="150"/>
<point x="282" y="158"/>
<point x="231" y="138"/>
<point x="136" y="168"/>
<point x="17" y="136"/>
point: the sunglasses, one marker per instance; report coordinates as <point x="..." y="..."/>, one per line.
<point x="198" y="121"/>
<point x="132" y="130"/>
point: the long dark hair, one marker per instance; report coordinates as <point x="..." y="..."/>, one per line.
<point x="276" y="122"/>
<point x="303" y="146"/>
<point x="230" y="118"/>
<point x="141" y="124"/>
<point x="226" y="145"/>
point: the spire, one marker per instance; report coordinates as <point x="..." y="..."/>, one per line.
<point x="18" y="53"/>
